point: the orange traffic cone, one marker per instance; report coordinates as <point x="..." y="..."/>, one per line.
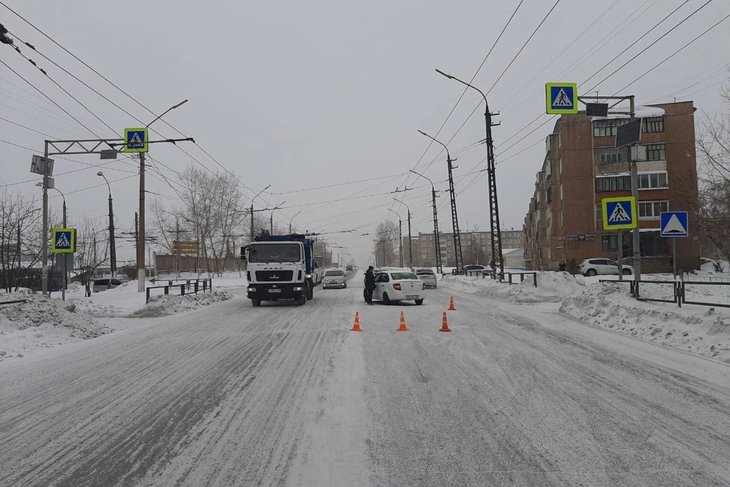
<point x="402" y="326"/>
<point x="356" y="325"/>
<point x="451" y="304"/>
<point x="444" y="323"/>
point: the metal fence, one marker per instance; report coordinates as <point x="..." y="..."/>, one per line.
<point x="185" y="286"/>
<point x="502" y="275"/>
<point x="679" y="289"/>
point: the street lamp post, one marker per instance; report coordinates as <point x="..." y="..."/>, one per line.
<point x="410" y="237"/>
<point x="458" y="258"/>
<point x="400" y="237"/>
<point x="292" y="219"/>
<point x="271" y="217"/>
<point x="496" y="234"/>
<point x="65" y="256"/>
<point x="112" y="244"/>
<point x="141" y="272"/>
<point x="437" y="244"/>
<point x="252" y="200"/>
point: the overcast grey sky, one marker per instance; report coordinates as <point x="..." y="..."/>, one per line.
<point x="308" y="94"/>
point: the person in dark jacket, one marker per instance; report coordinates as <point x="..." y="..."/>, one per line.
<point x="369" y="285"/>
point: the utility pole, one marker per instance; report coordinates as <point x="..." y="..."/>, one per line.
<point x="400" y="237"/>
<point x="65" y="256"/>
<point x="410" y="240"/>
<point x="458" y="259"/>
<point x="44" y="236"/>
<point x="112" y="245"/>
<point x="496" y="234"/>
<point x="635" y="193"/>
<point x="177" y="247"/>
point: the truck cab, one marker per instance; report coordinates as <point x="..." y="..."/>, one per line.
<point x="279" y="267"/>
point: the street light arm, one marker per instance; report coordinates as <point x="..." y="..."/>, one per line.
<point x="168" y="110"/>
<point x="465" y="84"/>
<point x="438" y="142"/>
<point x="257" y="194"/>
<point x="424" y="177"/>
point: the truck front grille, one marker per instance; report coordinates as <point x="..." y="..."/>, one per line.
<point x="274" y="276"/>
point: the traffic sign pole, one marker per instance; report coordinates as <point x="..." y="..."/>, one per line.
<point x="44" y="236"/>
<point x="674" y="257"/>
<point x="635" y="193"/>
<point x="140" y="229"/>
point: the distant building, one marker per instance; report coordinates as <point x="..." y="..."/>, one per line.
<point x="476" y="247"/>
<point x="582" y="166"/>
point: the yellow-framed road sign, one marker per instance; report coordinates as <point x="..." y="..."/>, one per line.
<point x="619" y="213"/>
<point x="63" y="240"/>
<point x="136" y="140"/>
<point x="561" y="98"/>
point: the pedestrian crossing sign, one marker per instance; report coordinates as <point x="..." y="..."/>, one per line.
<point x="619" y="213"/>
<point x="63" y="240"/>
<point x="136" y="140"/>
<point x="561" y="98"/>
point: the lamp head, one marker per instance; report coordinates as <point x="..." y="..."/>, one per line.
<point x="444" y="74"/>
<point x="100" y="173"/>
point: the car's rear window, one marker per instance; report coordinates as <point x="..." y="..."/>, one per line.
<point x="334" y="273"/>
<point x="425" y="272"/>
<point x="400" y="276"/>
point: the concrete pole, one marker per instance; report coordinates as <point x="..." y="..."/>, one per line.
<point x="635" y="194"/>
<point x="44" y="236"/>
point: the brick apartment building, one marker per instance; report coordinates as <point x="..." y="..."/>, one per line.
<point x="582" y="166"/>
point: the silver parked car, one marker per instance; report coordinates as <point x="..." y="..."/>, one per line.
<point x="334" y="278"/>
<point x="104" y="284"/>
<point x="428" y="276"/>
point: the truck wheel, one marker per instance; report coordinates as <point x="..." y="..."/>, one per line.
<point x="309" y="291"/>
<point x="419" y="301"/>
<point x="256" y="302"/>
<point x="301" y="300"/>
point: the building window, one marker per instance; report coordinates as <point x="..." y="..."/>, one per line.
<point x="609" y="242"/>
<point x="650" y="210"/>
<point x="605" y="128"/>
<point x="653" y="180"/>
<point x="613" y="183"/>
<point x="611" y="155"/>
<point x="549" y="194"/>
<point x="652" y="125"/>
<point x="656" y="152"/>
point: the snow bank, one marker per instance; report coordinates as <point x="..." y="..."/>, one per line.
<point x="703" y="330"/>
<point x="42" y="322"/>
<point x="167" y="305"/>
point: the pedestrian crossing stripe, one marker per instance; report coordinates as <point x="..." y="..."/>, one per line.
<point x="619" y="213"/>
<point x="561" y="98"/>
<point x="63" y="240"/>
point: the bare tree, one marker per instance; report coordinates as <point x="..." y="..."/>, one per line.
<point x="714" y="179"/>
<point x="385" y="243"/>
<point x="91" y="252"/>
<point x="211" y="212"/>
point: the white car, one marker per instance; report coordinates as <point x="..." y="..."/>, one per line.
<point x="334" y="278"/>
<point x="428" y="276"/>
<point x="398" y="285"/>
<point x="600" y="266"/>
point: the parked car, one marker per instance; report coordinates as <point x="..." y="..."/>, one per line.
<point x="334" y="278"/>
<point x="103" y="284"/>
<point x="592" y="267"/>
<point x="428" y="276"/>
<point x="398" y="285"/>
<point x="474" y="267"/>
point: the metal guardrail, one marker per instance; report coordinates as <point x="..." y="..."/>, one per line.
<point x="185" y="286"/>
<point x="501" y="276"/>
<point x="679" y="290"/>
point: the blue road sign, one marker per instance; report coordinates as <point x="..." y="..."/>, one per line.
<point x="561" y="98"/>
<point x="136" y="140"/>
<point x="619" y="213"/>
<point x="63" y="240"/>
<point x="674" y="224"/>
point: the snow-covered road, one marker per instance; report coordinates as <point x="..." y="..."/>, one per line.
<point x="286" y="395"/>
